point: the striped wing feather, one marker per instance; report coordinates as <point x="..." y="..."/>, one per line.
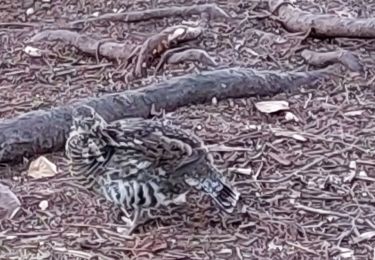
<point x="152" y="143"/>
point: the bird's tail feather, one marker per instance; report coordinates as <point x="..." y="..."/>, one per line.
<point x="212" y="183"/>
<point x="227" y="197"/>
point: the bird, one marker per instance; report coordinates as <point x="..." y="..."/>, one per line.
<point x="142" y="163"/>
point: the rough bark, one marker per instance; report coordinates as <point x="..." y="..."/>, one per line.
<point x="45" y="131"/>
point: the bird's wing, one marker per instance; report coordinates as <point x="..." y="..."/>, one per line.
<point x="83" y="147"/>
<point x="165" y="146"/>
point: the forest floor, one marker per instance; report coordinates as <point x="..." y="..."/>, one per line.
<point x="309" y="186"/>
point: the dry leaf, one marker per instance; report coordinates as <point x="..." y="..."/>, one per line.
<point x="43" y="205"/>
<point x="362" y="174"/>
<point x="273" y="246"/>
<point x="271" y="106"/>
<point x="32" y="51"/>
<point x="42" y="167"/>
<point x="9" y="203"/>
<point x="289" y="116"/>
<point x="177" y="33"/>
<point x="214" y="101"/>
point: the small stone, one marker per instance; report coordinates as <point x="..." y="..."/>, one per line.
<point x="43" y="205"/>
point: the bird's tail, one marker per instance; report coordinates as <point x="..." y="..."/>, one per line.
<point x="222" y="193"/>
<point x="204" y="177"/>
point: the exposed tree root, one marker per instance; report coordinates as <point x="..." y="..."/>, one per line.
<point x="322" y="25"/>
<point x="45" y="131"/>
<point x="160" y="42"/>
<point x="183" y="54"/>
<point x="321" y="59"/>
<point x="160" y="13"/>
<point x="86" y="44"/>
<point x="146" y="53"/>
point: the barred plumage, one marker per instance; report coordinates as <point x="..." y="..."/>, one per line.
<point x="135" y="191"/>
<point x="139" y="163"/>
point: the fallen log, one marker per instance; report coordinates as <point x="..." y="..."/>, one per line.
<point x="322" y="25"/>
<point x="45" y="131"/>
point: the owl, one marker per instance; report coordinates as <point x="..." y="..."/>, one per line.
<point x="140" y="164"/>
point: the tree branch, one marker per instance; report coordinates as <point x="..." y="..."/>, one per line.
<point x="41" y="131"/>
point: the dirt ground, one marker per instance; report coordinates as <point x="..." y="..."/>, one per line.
<point x="310" y="192"/>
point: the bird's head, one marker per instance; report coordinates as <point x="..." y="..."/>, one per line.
<point x="86" y="120"/>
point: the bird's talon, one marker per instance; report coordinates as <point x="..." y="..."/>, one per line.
<point x="128" y="221"/>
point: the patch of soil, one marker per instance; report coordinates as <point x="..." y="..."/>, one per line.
<point x="310" y="194"/>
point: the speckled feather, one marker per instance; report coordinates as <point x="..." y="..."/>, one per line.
<point x="146" y="148"/>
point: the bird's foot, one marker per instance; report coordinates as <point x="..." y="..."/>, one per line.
<point x="130" y="225"/>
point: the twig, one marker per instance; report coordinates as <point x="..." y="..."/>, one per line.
<point x="302" y="247"/>
<point x="75" y="253"/>
<point x="320" y="211"/>
<point x="295" y="173"/>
